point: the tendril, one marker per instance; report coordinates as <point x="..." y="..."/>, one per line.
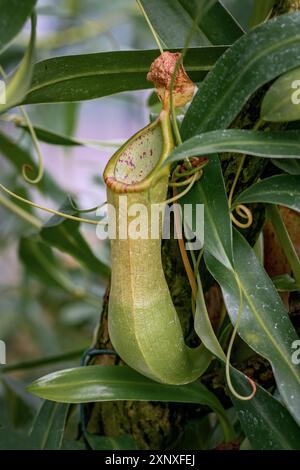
<point x="193" y="180"/>
<point x="155" y="36"/>
<point x="26" y="167"/>
<point x="84" y="211"/>
<point x="241" y="209"/>
<point x="52" y="211"/>
<point x="228" y="355"/>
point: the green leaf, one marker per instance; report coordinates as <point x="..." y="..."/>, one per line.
<point x="19" y="82"/>
<point x="217" y="23"/>
<point x="282" y="101"/>
<point x="285" y="144"/>
<point x="285" y="283"/>
<point x="65" y="235"/>
<point x="113" y="383"/>
<point x="281" y="189"/>
<point x="18" y="157"/>
<point x="12" y="440"/>
<point x="106" y="383"/>
<point x="45" y="361"/>
<point x="13" y="16"/>
<point x="291" y="166"/>
<point x="89" y="76"/>
<point x="258" y="57"/>
<point x="210" y="191"/>
<point x="215" y="26"/>
<point x="203" y="326"/>
<point x="41" y="262"/>
<point x="20" y="405"/>
<point x="241" y="14"/>
<point x="50" y="137"/>
<point x="263" y="408"/>
<point x="265" y="421"/>
<point x="49" y="425"/>
<point x="261" y="11"/>
<point x="264" y="325"/>
<point x="54" y="138"/>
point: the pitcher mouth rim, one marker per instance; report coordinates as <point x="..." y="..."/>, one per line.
<point x="156" y="173"/>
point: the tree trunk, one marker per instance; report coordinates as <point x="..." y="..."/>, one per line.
<point x="157" y="425"/>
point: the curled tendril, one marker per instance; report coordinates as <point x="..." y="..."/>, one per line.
<point x="245" y="213"/>
<point x="228" y="355"/>
<point x="28" y="168"/>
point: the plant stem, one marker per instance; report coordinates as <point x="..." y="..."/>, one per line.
<point x="285" y="241"/>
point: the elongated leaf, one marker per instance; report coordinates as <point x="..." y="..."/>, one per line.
<point x="264" y="323"/>
<point x="55" y="138"/>
<point x="285" y="283"/>
<point x="107" y="383"/>
<point x="18" y="157"/>
<point x="89" y="76"/>
<point x="250" y="412"/>
<point x="258" y="57"/>
<point x="13" y="16"/>
<point x="65" y="235"/>
<point x="265" y="421"/>
<point x="50" y="137"/>
<point x="12" y="440"/>
<point x="291" y="166"/>
<point x="203" y="326"/>
<point x="282" y="189"/>
<point x="282" y="101"/>
<point x="19" y="82"/>
<point x="261" y="11"/>
<point x="215" y="25"/>
<point x="49" y="425"/>
<point x="263" y="144"/>
<point x="210" y="191"/>
<point x="40" y="261"/>
<point x="241" y="15"/>
<point x="20" y="405"/>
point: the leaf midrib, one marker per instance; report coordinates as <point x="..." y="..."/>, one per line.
<point x="221" y="143"/>
<point x="265" y="329"/>
<point x="204" y="68"/>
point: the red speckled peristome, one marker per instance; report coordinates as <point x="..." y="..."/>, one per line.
<point x="119" y="187"/>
